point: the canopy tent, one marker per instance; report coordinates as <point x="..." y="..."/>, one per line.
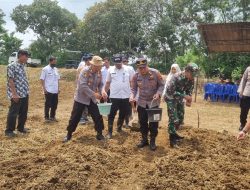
<point x="226" y="37"/>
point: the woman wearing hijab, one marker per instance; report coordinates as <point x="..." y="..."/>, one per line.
<point x="180" y="105"/>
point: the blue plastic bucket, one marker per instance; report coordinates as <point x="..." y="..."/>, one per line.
<point x="104" y="108"/>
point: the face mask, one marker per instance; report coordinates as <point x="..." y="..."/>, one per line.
<point x="52" y="65"/>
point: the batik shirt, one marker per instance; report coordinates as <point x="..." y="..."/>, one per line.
<point x="17" y="72"/>
<point x="178" y="87"/>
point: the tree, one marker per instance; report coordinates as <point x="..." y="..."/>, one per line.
<point x="8" y="43"/>
<point x="52" y="24"/>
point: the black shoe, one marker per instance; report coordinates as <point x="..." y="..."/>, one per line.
<point x="109" y="135"/>
<point x="10" y="134"/>
<point x="172" y="139"/>
<point x="100" y="137"/>
<point x="119" y="129"/>
<point x="24" y="131"/>
<point x="178" y="137"/>
<point x="67" y="138"/>
<point x="241" y="127"/>
<point x="142" y="143"/>
<point x="152" y="145"/>
<point x="53" y="119"/>
<point x="47" y="120"/>
<point x="127" y="126"/>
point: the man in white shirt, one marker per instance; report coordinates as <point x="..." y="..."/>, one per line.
<point x="50" y="84"/>
<point x="104" y="71"/>
<point x="118" y="81"/>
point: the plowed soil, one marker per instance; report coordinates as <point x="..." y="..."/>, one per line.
<point x="208" y="158"/>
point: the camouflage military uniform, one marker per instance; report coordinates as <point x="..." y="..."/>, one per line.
<point x="178" y="87"/>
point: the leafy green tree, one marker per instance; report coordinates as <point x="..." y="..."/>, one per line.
<point x="8" y="43"/>
<point x="52" y="24"/>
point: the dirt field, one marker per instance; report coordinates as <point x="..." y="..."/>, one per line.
<point x="208" y="158"/>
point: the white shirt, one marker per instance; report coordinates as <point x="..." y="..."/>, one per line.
<point x="104" y="74"/>
<point x="50" y="76"/>
<point x="131" y="69"/>
<point x="80" y="66"/>
<point x="119" y="82"/>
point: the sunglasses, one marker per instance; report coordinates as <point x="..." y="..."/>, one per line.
<point x="141" y="62"/>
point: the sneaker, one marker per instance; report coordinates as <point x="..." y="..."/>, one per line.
<point x="119" y="129"/>
<point x="142" y="143"/>
<point x="241" y="127"/>
<point x="10" y="134"/>
<point x="82" y="122"/>
<point x="23" y="131"/>
<point x="47" y="120"/>
<point x="67" y="138"/>
<point x="53" y="119"/>
<point x="127" y="126"/>
<point x="100" y="137"/>
<point x="109" y="135"/>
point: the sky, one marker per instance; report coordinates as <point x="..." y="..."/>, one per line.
<point x="79" y="7"/>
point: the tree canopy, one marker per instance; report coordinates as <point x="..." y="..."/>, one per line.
<point x="164" y="30"/>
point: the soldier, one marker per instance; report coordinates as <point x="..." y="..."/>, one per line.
<point x="149" y="83"/>
<point x="180" y="86"/>
<point x="87" y="92"/>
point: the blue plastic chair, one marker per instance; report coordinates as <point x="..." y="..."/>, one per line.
<point x="234" y="94"/>
<point x="219" y="89"/>
<point x="209" y="91"/>
<point x="226" y="92"/>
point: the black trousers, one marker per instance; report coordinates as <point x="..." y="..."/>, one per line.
<point x="77" y="113"/>
<point x="129" y="114"/>
<point x="19" y="109"/>
<point x="146" y="127"/>
<point x="244" y="109"/>
<point x="118" y="104"/>
<point x="51" y="101"/>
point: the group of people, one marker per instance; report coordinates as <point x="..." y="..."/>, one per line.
<point x="96" y="82"/>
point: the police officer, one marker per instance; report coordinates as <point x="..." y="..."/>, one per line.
<point x="178" y="88"/>
<point x="87" y="92"/>
<point x="149" y="83"/>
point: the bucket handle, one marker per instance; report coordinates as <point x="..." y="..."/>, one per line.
<point x="151" y="103"/>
